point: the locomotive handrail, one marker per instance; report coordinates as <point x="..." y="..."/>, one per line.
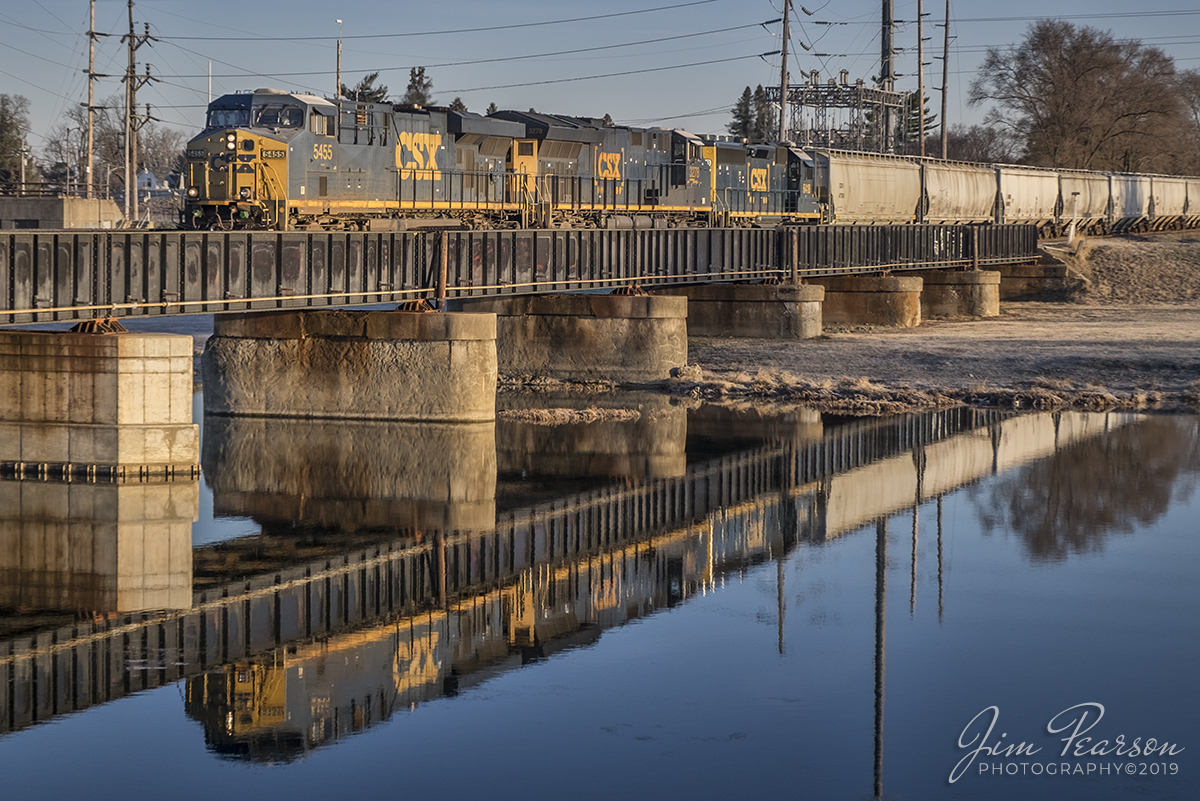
<point x="275" y="192"/>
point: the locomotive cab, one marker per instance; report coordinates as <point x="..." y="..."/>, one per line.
<point x="237" y="168"/>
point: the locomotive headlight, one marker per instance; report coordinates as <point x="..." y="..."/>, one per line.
<point x="192" y="191"/>
<point x="244" y="194"/>
<point x="230" y="145"/>
<point x="230" y="137"/>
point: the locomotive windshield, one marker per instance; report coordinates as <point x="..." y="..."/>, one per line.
<point x="278" y="116"/>
<point x="228" y="117"/>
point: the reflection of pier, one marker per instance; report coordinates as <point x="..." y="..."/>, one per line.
<point x="428" y="612"/>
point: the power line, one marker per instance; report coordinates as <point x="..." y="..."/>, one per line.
<point x="487" y="28"/>
<point x="572" y="51"/>
<point x="610" y="74"/>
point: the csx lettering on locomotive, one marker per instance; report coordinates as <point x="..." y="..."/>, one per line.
<point x="608" y="165"/>
<point x="416" y="155"/>
<point x="758" y="180"/>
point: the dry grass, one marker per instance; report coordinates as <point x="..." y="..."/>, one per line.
<point x="562" y="417"/>
<point x="864" y="397"/>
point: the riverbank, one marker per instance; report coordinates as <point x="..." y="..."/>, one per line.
<point x="1127" y="336"/>
<point x="1034" y="355"/>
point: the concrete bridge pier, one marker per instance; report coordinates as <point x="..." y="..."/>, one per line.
<point x="884" y="300"/>
<point x="86" y="406"/>
<point x="353" y="365"/>
<point x="623" y="338"/>
<point x="973" y="293"/>
<point x="1032" y="281"/>
<point x="771" y="311"/>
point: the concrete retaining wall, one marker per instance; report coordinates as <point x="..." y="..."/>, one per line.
<point x="774" y="311"/>
<point x="352" y="365"/>
<point x="58" y="213"/>
<point x="599" y="337"/>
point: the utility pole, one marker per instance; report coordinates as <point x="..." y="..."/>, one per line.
<point x="945" y="78"/>
<point x="921" y="74"/>
<point x="133" y="122"/>
<point x="783" y="73"/>
<point x="887" y="72"/>
<point x="91" y="92"/>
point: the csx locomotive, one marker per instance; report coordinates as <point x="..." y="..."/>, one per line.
<point x="276" y="160"/>
<point x="269" y="159"/>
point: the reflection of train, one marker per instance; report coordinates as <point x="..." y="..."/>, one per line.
<point x="277" y="705"/>
<point x="269" y="159"/>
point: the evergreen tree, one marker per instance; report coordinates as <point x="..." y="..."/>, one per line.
<point x="365" y="91"/>
<point x="764" y="117"/>
<point x="492" y="108"/>
<point x="910" y="125"/>
<point x="420" y="88"/>
<point x="457" y="105"/>
<point x="743" y="116"/>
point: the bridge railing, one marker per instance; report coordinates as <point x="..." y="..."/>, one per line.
<point x="67" y="275"/>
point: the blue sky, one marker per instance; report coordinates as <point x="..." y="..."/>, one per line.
<point x="685" y="65"/>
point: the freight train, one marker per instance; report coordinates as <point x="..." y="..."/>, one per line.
<point x="275" y="160"/>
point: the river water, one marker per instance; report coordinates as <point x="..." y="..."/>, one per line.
<point x="698" y="603"/>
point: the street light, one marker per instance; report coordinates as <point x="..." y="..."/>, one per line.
<point x="338" y="91"/>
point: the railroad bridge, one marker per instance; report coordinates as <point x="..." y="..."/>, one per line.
<point x="71" y="275"/>
<point x="571" y="304"/>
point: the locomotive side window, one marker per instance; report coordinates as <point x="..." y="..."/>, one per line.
<point x="321" y="124"/>
<point x="229" y="118"/>
<point x="274" y="116"/>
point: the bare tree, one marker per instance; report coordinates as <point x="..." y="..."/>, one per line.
<point x="161" y="150"/>
<point x="1076" y="97"/>
<point x="982" y="143"/>
<point x="1189" y="134"/>
<point x="14" y="126"/>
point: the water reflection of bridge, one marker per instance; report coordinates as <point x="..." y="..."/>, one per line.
<point x="331" y="640"/>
